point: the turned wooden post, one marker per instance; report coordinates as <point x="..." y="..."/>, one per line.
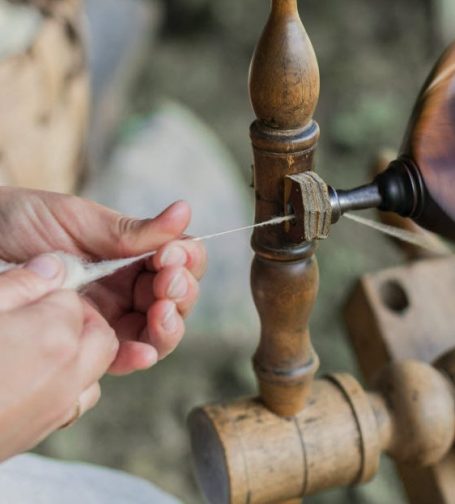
<point x="284" y="90"/>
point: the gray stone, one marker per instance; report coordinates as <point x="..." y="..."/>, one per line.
<point x="115" y="54"/>
<point x="171" y="156"/>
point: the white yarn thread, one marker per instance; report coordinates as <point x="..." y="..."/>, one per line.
<point x="80" y="273"/>
<point x="424" y="240"/>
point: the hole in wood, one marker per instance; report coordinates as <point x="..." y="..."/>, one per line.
<point x="394" y="296"/>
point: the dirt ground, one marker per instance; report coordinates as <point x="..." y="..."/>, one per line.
<point x="374" y="57"/>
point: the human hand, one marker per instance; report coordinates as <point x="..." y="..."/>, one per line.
<point x="147" y="303"/>
<point x="54" y="347"/>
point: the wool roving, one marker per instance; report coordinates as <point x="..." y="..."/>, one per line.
<point x="80" y="273"/>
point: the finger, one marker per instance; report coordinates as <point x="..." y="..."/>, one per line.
<point x="53" y="326"/>
<point x="130" y="326"/>
<point x="192" y="255"/>
<point x="104" y="233"/>
<point x="131" y="237"/>
<point x="178" y="285"/>
<point x="23" y="285"/>
<point x="89" y="398"/>
<point x="133" y="356"/>
<point x="98" y="348"/>
<point x="87" y="401"/>
<point x="165" y="327"/>
<point x="143" y="295"/>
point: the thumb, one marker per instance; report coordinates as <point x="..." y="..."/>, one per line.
<point x="134" y="237"/>
<point x="28" y="283"/>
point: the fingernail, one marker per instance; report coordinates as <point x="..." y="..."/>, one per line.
<point x="169" y="321"/>
<point x="174" y="256"/>
<point x="178" y="288"/>
<point x="47" y="266"/>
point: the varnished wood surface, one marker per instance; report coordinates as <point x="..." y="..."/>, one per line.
<point x="430" y="143"/>
<point x="284" y="90"/>
<point x="412" y="252"/>
<point x="400" y="313"/>
<point x="301" y="435"/>
<point x="284" y="74"/>
<point x="250" y="455"/>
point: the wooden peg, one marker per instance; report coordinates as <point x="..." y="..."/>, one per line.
<point x="439" y="248"/>
<point x="284" y="90"/>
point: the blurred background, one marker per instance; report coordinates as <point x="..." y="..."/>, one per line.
<point x="169" y="119"/>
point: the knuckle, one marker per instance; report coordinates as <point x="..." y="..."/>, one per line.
<point x="65" y="318"/>
<point x="124" y="234"/>
<point x="66" y="305"/>
<point x="195" y="287"/>
<point x="110" y="339"/>
<point x="61" y="347"/>
<point x="65" y="410"/>
<point x="23" y="286"/>
<point x="95" y="397"/>
<point x="200" y="260"/>
<point x="174" y="341"/>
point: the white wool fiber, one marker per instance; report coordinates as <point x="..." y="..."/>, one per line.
<point x="80" y="273"/>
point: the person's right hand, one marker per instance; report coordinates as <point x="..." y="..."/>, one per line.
<point x="54" y="347"/>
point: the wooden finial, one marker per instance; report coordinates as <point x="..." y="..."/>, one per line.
<point x="284" y="74"/>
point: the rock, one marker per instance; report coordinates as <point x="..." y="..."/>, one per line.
<point x="115" y="52"/>
<point x="171" y="156"/>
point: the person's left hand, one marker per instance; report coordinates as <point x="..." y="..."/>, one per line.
<point x="146" y="304"/>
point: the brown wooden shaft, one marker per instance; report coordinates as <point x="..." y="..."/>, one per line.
<point x="285" y="361"/>
<point x="245" y="453"/>
<point x="284" y="88"/>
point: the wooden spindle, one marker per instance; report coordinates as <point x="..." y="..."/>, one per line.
<point x="284" y="91"/>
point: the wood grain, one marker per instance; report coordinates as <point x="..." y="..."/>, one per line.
<point x="44" y="103"/>
<point x="246" y="454"/>
<point x="284" y="90"/>
<point x="401" y="313"/>
<point x="430" y="144"/>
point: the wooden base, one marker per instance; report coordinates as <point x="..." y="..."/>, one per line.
<point x="245" y="453"/>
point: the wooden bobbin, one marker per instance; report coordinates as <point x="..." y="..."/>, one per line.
<point x="284" y="90"/>
<point x="246" y="454"/>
